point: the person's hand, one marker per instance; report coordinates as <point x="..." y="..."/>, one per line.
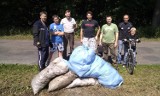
<point x="115" y="44"/>
<point x="81" y="40"/>
<point x="138" y="40"/>
<point x="56" y="33"/>
<point x="125" y="40"/>
<point x="96" y="37"/>
<point x="38" y="45"/>
<point x="50" y="44"/>
<point x="100" y="43"/>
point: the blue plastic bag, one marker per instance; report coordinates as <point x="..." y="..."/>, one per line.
<point x="85" y="63"/>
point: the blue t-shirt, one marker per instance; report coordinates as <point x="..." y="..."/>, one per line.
<point x="54" y="28"/>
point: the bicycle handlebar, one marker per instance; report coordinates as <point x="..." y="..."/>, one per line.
<point x="131" y="40"/>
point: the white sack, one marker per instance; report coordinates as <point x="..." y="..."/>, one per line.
<point x="83" y="82"/>
<point x="55" y="68"/>
<point x="62" y="81"/>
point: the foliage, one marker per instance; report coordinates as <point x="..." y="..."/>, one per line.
<point x="21" y="14"/>
<point x="149" y="32"/>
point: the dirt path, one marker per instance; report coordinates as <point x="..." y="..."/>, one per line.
<point x="23" y="52"/>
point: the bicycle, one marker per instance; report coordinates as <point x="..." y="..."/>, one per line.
<point x="130" y="61"/>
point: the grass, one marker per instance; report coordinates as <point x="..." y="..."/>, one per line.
<point x="149" y="39"/>
<point x="17" y="37"/>
<point x="15" y="81"/>
<point x="30" y="37"/>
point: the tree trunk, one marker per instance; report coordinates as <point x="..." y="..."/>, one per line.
<point x="156" y="16"/>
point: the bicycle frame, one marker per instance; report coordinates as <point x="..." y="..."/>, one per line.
<point x="130" y="58"/>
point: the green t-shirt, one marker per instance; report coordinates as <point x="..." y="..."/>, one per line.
<point x="108" y="32"/>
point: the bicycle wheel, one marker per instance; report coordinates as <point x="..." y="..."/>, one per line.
<point x="130" y="63"/>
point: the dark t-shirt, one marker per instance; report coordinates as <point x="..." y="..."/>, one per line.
<point x="133" y="44"/>
<point x="124" y="30"/>
<point x="88" y="27"/>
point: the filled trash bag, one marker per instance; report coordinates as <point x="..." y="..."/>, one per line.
<point x="61" y="81"/>
<point x="85" y="63"/>
<point x="55" y="68"/>
<point x="79" y="82"/>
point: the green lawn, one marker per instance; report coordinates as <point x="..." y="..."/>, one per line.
<point x="15" y="81"/>
<point x="17" y="37"/>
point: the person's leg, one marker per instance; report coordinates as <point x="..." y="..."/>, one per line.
<point x="125" y="49"/>
<point x="60" y="50"/>
<point x="125" y="59"/>
<point x="65" y="40"/>
<point x="134" y="57"/>
<point x="125" y="54"/>
<point x="105" y="51"/>
<point x="49" y="58"/>
<point x="52" y="50"/>
<point x="40" y="58"/>
<point x="46" y="54"/>
<point x="120" y="46"/>
<point x="42" y="52"/>
<point x="85" y="42"/>
<point x="71" y="41"/>
<point x="113" y="53"/>
<point x="93" y="44"/>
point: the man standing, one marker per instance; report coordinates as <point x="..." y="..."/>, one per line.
<point x="69" y="25"/>
<point x="124" y="28"/>
<point x="41" y="39"/>
<point x="109" y="39"/>
<point x="88" y="35"/>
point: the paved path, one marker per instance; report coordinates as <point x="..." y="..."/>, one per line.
<point x="23" y="52"/>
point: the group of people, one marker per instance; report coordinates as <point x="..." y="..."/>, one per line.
<point x="60" y="33"/>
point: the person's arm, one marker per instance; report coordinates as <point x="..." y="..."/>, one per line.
<point x="81" y="32"/>
<point x="101" y="35"/>
<point x="75" y="24"/>
<point x="60" y="33"/>
<point x="137" y="39"/>
<point x="55" y="33"/>
<point x="100" y="39"/>
<point x="81" y="35"/>
<point x="52" y="32"/>
<point x="36" y="35"/>
<point x="116" y="40"/>
<point x="98" y="31"/>
<point x="116" y="36"/>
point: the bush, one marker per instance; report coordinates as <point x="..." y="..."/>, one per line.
<point x="15" y="31"/>
<point x="146" y="32"/>
<point x="149" y="32"/>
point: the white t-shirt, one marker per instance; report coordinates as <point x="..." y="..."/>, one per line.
<point x="68" y="25"/>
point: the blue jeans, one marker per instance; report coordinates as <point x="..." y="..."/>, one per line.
<point x="120" y="48"/>
<point x="134" y="57"/>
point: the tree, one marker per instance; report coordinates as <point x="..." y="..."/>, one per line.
<point x="156" y="16"/>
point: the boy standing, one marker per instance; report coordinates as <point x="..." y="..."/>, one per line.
<point x="57" y="32"/>
<point x="134" y="38"/>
